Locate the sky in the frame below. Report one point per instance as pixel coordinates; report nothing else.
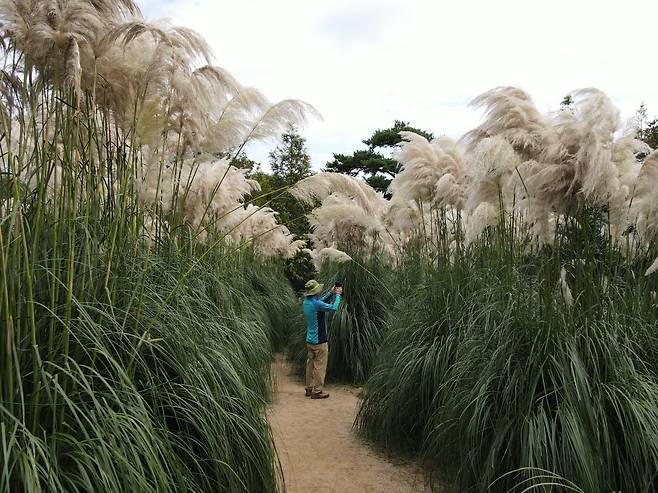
(363, 64)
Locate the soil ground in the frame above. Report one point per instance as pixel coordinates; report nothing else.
(319, 451)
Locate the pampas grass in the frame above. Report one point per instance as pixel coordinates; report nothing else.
(323, 185)
(141, 295)
(327, 255)
(490, 365)
(644, 201)
(430, 171)
(510, 113)
(351, 213)
(522, 260)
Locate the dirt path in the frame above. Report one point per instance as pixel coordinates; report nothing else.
(317, 448)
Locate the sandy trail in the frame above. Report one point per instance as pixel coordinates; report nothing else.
(317, 448)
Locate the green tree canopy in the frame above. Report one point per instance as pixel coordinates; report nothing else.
(650, 134)
(244, 162)
(647, 130)
(290, 162)
(375, 163)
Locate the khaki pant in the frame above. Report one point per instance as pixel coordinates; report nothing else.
(316, 365)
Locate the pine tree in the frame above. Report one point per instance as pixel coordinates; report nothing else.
(375, 163)
(290, 160)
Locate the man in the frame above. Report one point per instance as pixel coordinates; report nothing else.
(317, 347)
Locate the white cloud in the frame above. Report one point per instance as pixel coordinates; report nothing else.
(364, 64)
(352, 25)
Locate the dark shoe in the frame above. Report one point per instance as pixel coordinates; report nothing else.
(309, 392)
(319, 395)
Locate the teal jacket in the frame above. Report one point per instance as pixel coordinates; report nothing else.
(315, 313)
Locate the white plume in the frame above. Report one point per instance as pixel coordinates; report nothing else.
(567, 297)
(327, 255)
(431, 172)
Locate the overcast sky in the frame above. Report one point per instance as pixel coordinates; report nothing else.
(365, 63)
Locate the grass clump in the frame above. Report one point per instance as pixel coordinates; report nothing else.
(491, 377)
(139, 313)
(152, 394)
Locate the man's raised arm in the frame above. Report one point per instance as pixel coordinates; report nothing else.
(321, 306)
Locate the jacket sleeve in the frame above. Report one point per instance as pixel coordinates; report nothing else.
(321, 306)
(326, 296)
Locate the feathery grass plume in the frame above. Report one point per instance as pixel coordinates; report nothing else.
(327, 255)
(203, 109)
(181, 42)
(277, 118)
(511, 114)
(71, 35)
(173, 100)
(567, 297)
(258, 226)
(217, 77)
(43, 29)
(490, 169)
(651, 270)
(322, 185)
(540, 221)
(644, 202)
(625, 151)
(249, 116)
(208, 194)
(351, 215)
(570, 161)
(586, 142)
(193, 182)
(342, 221)
(73, 70)
(531, 208)
(587, 164)
(231, 124)
(550, 183)
(218, 86)
(431, 172)
(492, 158)
(206, 107)
(405, 218)
(485, 214)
